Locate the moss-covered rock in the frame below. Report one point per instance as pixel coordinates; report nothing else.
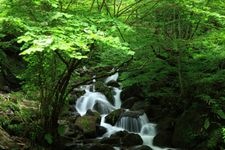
(88, 125)
(114, 116)
(113, 83)
(132, 91)
(102, 88)
(128, 103)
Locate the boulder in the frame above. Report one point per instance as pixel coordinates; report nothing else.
(132, 114)
(132, 91)
(114, 116)
(6, 141)
(88, 125)
(163, 139)
(128, 103)
(100, 130)
(123, 138)
(114, 141)
(102, 88)
(102, 107)
(113, 83)
(132, 139)
(93, 113)
(139, 105)
(154, 112)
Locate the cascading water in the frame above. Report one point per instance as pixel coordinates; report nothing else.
(97, 101)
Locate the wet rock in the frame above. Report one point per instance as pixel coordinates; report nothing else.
(114, 116)
(132, 114)
(119, 134)
(123, 138)
(139, 105)
(128, 103)
(102, 88)
(163, 139)
(101, 108)
(141, 147)
(100, 130)
(6, 141)
(88, 125)
(132, 91)
(114, 141)
(154, 112)
(113, 83)
(132, 139)
(93, 113)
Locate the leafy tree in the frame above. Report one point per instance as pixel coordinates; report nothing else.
(58, 40)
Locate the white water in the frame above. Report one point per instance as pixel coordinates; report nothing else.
(97, 101)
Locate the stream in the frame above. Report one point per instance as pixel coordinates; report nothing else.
(139, 125)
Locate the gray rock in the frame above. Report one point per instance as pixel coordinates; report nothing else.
(113, 117)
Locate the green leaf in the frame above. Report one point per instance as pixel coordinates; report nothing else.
(48, 137)
(221, 114)
(206, 124)
(32, 49)
(61, 130)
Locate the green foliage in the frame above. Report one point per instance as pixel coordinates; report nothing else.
(61, 130)
(17, 114)
(223, 133)
(49, 138)
(177, 51)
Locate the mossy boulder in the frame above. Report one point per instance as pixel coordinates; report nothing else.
(132, 91)
(114, 116)
(88, 125)
(113, 83)
(132, 114)
(102, 88)
(128, 103)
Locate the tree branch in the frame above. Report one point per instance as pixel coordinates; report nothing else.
(62, 59)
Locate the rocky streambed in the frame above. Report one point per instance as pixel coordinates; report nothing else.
(100, 120)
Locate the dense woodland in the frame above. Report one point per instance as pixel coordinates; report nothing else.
(169, 53)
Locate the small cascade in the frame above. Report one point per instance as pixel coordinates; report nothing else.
(132, 124)
(112, 77)
(117, 101)
(93, 100)
(131, 121)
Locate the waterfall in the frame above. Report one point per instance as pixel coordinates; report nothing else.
(139, 124)
(91, 99)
